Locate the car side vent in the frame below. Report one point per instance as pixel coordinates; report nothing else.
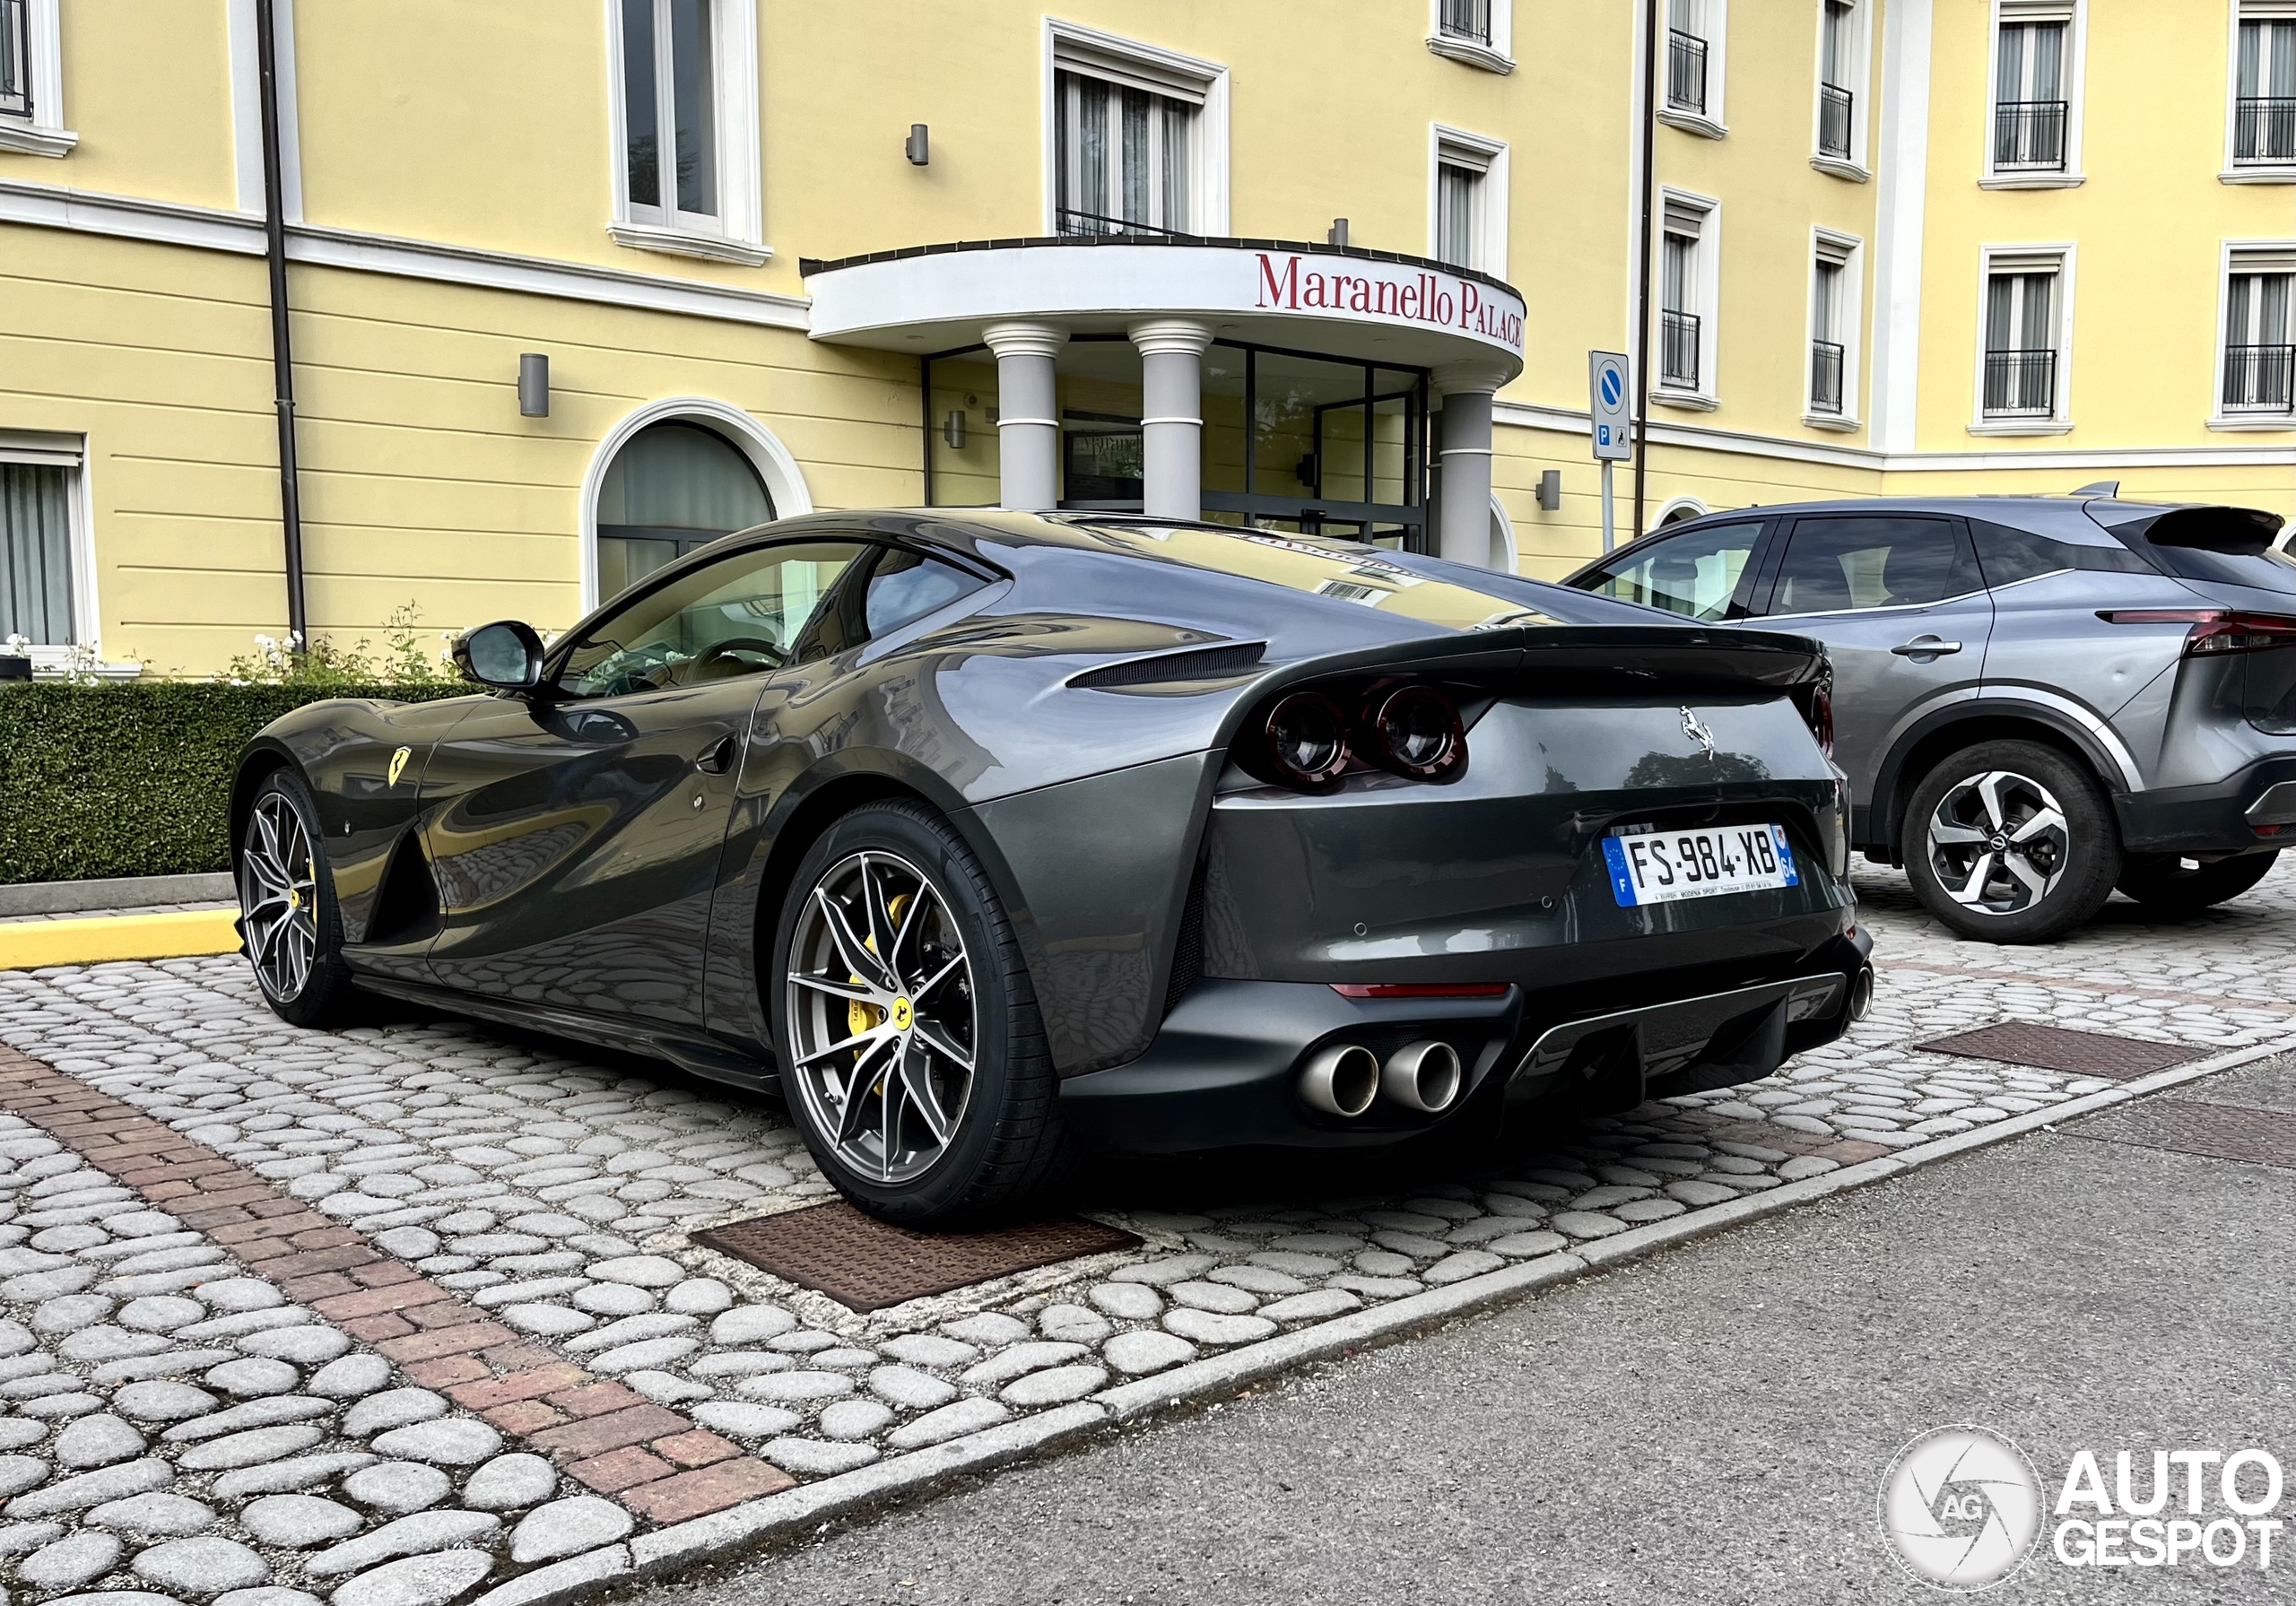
(1188, 948)
(1204, 663)
(407, 906)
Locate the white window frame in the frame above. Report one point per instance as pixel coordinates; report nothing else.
(1498, 56)
(2074, 15)
(1706, 270)
(1715, 29)
(2251, 173)
(2244, 256)
(1072, 47)
(1857, 167)
(1459, 148)
(43, 134)
(69, 453)
(2056, 257)
(1848, 252)
(739, 234)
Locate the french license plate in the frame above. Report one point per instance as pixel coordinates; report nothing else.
(1667, 866)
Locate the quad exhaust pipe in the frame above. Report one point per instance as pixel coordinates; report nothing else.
(1344, 1079)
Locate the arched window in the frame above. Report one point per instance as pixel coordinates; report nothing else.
(674, 487)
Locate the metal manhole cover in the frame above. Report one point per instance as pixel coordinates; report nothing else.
(2234, 1132)
(866, 1264)
(2054, 1048)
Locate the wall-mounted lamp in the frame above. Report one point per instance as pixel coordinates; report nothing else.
(919, 148)
(533, 385)
(953, 430)
(1550, 490)
(1337, 234)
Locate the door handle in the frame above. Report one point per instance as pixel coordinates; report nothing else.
(717, 759)
(1925, 646)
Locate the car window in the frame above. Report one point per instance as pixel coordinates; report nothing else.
(2008, 556)
(905, 585)
(739, 615)
(1874, 560)
(1694, 574)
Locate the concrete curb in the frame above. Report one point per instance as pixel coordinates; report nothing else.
(36, 944)
(670, 1549)
(118, 892)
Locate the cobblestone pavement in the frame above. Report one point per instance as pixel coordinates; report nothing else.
(409, 1314)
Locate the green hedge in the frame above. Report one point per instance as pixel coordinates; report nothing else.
(135, 779)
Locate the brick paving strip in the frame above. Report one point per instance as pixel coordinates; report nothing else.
(609, 1437)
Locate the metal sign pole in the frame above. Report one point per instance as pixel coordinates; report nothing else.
(1607, 422)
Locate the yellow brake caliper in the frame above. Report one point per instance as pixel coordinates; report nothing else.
(861, 1017)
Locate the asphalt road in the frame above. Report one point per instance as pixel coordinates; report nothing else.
(1710, 1426)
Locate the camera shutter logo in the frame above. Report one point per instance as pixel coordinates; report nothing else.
(1960, 1507)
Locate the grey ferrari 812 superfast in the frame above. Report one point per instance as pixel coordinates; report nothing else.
(989, 840)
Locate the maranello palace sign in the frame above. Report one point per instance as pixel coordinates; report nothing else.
(1399, 292)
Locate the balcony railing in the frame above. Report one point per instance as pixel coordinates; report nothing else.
(2028, 136)
(2260, 378)
(1685, 71)
(1678, 349)
(1834, 107)
(1825, 376)
(15, 60)
(2263, 128)
(1073, 222)
(1468, 20)
(2019, 383)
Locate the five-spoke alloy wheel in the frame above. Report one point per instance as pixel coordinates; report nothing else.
(2011, 841)
(288, 922)
(911, 1052)
(881, 1018)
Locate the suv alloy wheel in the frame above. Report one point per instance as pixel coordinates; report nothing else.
(2011, 842)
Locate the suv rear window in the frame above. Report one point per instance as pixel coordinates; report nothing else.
(2232, 546)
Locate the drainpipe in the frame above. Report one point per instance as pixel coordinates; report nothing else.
(282, 361)
(1642, 280)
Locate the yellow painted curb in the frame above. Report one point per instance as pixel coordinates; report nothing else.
(29, 944)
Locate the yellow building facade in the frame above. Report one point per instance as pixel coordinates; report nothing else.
(1894, 247)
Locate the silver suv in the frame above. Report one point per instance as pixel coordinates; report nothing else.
(2036, 698)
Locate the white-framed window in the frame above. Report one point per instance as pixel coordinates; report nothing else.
(1844, 70)
(1837, 296)
(1478, 32)
(1689, 250)
(32, 79)
(685, 127)
(2024, 341)
(1136, 138)
(2034, 120)
(2260, 113)
(46, 554)
(1690, 63)
(1467, 201)
(2256, 365)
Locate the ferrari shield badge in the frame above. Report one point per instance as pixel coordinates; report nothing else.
(398, 765)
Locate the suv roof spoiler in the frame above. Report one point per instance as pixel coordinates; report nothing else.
(2242, 532)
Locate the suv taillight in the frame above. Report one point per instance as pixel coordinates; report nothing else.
(2213, 629)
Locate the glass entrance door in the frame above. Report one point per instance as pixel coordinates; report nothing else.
(1314, 446)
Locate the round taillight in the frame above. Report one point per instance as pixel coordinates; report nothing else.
(1415, 731)
(1306, 739)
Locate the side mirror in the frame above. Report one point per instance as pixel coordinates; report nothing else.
(506, 655)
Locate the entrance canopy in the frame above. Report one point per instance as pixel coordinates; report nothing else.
(1346, 302)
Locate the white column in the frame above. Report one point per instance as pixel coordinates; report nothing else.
(1464, 535)
(1171, 404)
(1028, 414)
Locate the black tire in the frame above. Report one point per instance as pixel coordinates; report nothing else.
(2169, 884)
(1986, 812)
(1005, 1150)
(291, 929)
